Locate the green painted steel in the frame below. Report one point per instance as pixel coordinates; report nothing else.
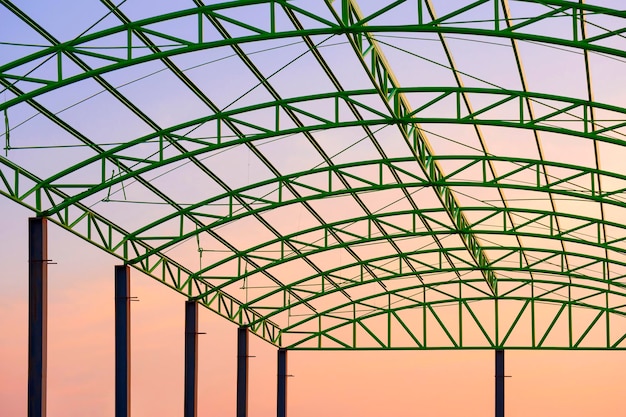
(273, 128)
(426, 240)
(351, 23)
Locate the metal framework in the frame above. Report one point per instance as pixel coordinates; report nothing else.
(411, 174)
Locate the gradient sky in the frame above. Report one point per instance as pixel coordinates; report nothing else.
(368, 384)
(365, 384)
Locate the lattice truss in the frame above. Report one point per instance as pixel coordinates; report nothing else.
(414, 174)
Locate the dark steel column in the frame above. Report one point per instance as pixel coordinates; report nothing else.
(191, 358)
(122, 341)
(499, 383)
(37, 315)
(281, 404)
(242, 372)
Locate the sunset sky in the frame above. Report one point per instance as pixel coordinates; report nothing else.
(368, 383)
(413, 383)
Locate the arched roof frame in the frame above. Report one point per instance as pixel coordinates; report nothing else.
(351, 24)
(346, 319)
(360, 30)
(546, 123)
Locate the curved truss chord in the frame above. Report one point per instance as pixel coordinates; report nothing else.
(261, 203)
(574, 109)
(85, 223)
(374, 214)
(125, 55)
(436, 316)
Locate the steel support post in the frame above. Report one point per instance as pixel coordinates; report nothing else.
(122, 341)
(499, 383)
(242, 372)
(191, 358)
(37, 315)
(281, 403)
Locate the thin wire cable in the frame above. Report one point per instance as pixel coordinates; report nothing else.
(53, 56)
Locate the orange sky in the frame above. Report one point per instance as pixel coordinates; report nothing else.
(368, 384)
(364, 384)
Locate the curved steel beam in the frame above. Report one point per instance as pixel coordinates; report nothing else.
(272, 128)
(268, 202)
(428, 318)
(547, 261)
(177, 46)
(532, 223)
(69, 211)
(99, 231)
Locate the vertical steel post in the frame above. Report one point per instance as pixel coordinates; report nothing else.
(281, 403)
(499, 383)
(191, 358)
(37, 315)
(122, 341)
(242, 372)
